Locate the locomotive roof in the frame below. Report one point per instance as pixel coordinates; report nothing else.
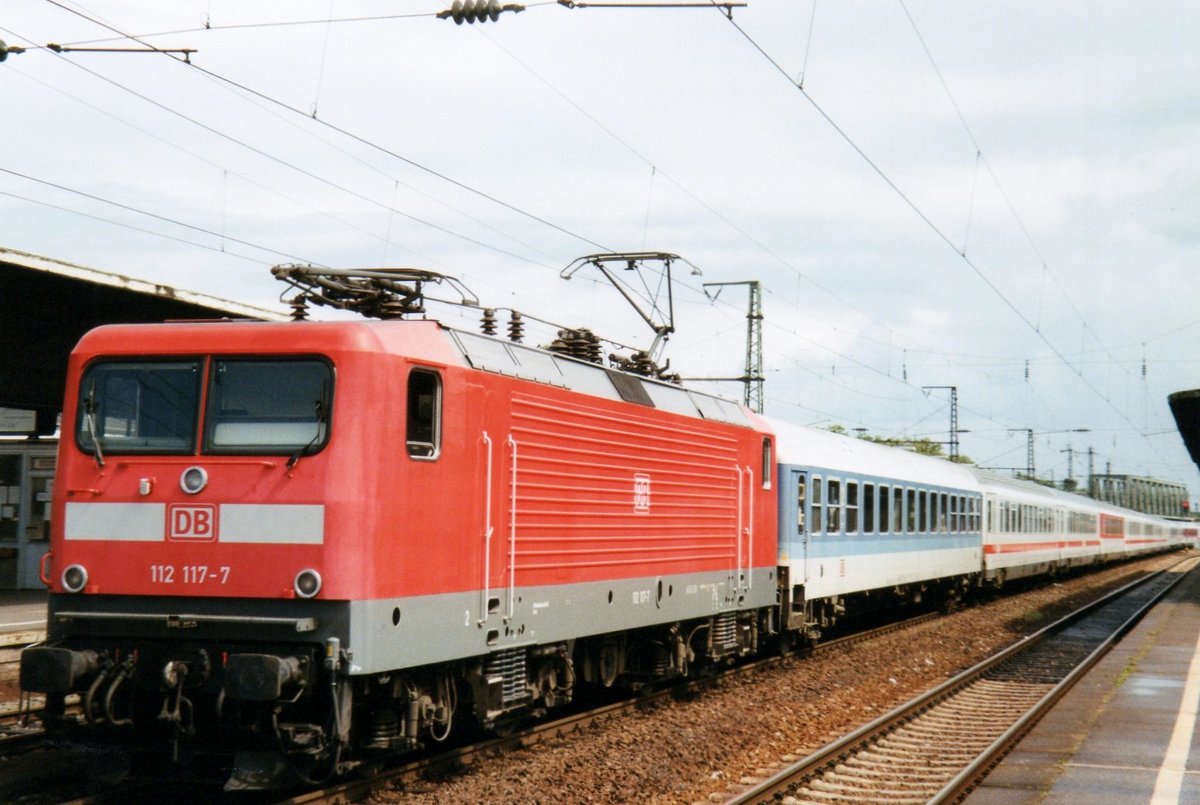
(492, 354)
(422, 341)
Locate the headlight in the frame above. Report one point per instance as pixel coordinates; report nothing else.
(193, 480)
(74, 578)
(308, 583)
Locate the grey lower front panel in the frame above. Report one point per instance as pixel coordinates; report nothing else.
(407, 632)
(226, 620)
(386, 634)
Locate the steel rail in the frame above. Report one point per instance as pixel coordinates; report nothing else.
(970, 777)
(806, 768)
(355, 790)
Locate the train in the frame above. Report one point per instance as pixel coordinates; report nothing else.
(310, 545)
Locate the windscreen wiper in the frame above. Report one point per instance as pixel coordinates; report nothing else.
(319, 406)
(89, 412)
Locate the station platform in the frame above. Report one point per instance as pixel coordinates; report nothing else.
(22, 616)
(1126, 733)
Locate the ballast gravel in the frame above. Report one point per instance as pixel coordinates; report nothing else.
(693, 750)
(690, 751)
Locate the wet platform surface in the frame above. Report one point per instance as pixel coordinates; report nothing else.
(22, 616)
(1124, 734)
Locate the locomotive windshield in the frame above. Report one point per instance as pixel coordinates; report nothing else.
(273, 406)
(139, 407)
(267, 405)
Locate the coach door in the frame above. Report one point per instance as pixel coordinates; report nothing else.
(801, 523)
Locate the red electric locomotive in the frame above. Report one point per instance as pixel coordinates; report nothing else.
(330, 539)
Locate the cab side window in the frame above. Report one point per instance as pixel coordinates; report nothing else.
(424, 420)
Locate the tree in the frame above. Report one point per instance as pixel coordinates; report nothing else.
(924, 446)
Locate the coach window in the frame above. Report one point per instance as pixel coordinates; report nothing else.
(884, 518)
(424, 429)
(833, 515)
(897, 510)
(868, 508)
(923, 525)
(943, 524)
(851, 507)
(911, 522)
(817, 507)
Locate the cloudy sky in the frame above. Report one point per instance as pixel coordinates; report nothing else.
(998, 197)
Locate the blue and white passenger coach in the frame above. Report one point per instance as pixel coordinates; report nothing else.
(859, 520)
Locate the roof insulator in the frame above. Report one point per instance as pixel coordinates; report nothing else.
(477, 10)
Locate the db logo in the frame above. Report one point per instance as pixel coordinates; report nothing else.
(192, 522)
(641, 493)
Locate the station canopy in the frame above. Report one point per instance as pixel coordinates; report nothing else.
(1185, 405)
(46, 306)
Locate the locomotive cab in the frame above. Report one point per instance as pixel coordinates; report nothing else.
(189, 567)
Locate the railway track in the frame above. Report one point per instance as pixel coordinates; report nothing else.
(33, 766)
(413, 773)
(936, 748)
(19, 726)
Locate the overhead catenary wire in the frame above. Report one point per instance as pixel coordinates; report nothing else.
(125, 225)
(302, 171)
(149, 214)
(911, 351)
(933, 226)
(354, 137)
(660, 173)
(226, 172)
(996, 182)
(375, 146)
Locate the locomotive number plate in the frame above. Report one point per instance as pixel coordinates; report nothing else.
(189, 574)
